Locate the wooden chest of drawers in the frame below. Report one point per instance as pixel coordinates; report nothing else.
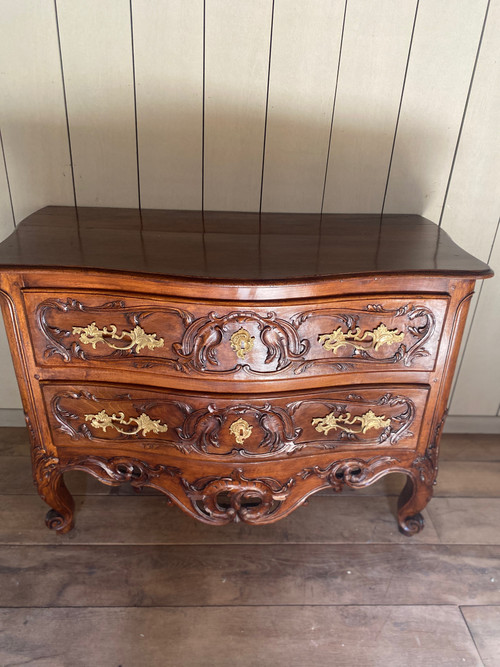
(237, 363)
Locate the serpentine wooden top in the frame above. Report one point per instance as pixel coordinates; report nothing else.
(235, 247)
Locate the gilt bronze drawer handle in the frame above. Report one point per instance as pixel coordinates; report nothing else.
(92, 335)
(366, 422)
(242, 342)
(142, 423)
(241, 430)
(376, 338)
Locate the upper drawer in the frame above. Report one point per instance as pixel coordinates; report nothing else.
(163, 336)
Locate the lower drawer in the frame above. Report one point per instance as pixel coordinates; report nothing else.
(111, 420)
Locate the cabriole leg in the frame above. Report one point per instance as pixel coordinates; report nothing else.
(414, 497)
(57, 496)
(52, 489)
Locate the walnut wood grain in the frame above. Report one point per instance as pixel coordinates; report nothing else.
(238, 364)
(235, 246)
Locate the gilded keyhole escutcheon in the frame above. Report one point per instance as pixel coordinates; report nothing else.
(241, 342)
(241, 430)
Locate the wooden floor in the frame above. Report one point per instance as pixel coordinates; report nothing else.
(138, 584)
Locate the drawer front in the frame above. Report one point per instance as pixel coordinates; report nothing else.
(165, 337)
(107, 419)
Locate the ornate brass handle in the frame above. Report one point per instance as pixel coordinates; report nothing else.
(366, 422)
(142, 423)
(375, 338)
(91, 335)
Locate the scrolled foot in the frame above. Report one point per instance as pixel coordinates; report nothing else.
(56, 521)
(414, 497)
(411, 525)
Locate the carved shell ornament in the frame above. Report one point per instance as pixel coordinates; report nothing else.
(92, 335)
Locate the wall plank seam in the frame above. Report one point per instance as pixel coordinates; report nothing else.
(132, 49)
(203, 111)
(63, 83)
(466, 105)
(266, 110)
(333, 108)
(8, 182)
(459, 368)
(400, 106)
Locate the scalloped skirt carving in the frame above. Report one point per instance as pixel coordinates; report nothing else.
(233, 496)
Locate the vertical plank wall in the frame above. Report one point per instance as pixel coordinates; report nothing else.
(272, 105)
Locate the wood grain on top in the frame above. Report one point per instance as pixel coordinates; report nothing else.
(235, 246)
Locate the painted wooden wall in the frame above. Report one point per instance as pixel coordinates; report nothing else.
(272, 105)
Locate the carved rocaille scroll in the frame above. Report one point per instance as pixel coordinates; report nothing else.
(258, 344)
(260, 430)
(279, 338)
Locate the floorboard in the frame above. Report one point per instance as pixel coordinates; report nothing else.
(484, 625)
(218, 575)
(226, 636)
